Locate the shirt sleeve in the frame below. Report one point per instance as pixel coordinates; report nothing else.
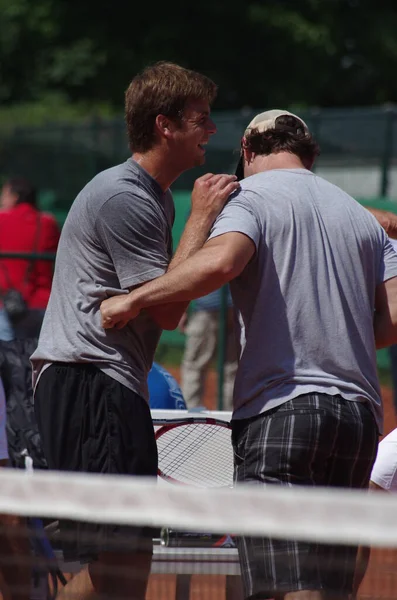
(135, 233)
(238, 216)
(388, 262)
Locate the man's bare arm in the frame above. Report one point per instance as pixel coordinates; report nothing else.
(209, 195)
(386, 219)
(385, 321)
(218, 262)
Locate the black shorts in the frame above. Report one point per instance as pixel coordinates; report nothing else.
(91, 423)
(314, 440)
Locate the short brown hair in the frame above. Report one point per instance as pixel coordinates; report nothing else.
(163, 88)
(287, 136)
(23, 189)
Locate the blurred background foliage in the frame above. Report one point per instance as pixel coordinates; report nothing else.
(63, 59)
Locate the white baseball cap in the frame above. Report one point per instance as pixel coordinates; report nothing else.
(269, 120)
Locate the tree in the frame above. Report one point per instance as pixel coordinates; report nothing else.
(261, 53)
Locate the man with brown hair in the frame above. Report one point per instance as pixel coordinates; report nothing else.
(314, 280)
(91, 397)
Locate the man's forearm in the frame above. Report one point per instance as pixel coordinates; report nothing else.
(386, 219)
(193, 239)
(209, 195)
(385, 316)
(220, 260)
(385, 331)
(194, 277)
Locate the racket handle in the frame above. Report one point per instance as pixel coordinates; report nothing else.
(192, 539)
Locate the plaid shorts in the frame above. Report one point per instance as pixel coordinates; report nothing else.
(314, 439)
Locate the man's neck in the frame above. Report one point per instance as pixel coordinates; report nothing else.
(158, 166)
(281, 160)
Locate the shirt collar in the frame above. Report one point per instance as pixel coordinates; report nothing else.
(147, 180)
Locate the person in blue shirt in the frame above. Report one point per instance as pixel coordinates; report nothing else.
(164, 391)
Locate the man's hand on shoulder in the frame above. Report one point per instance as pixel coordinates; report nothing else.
(210, 194)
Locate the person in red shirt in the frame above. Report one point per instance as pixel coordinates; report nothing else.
(24, 228)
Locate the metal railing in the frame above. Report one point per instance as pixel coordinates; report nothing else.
(28, 256)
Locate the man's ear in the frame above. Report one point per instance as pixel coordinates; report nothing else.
(164, 126)
(248, 155)
(248, 159)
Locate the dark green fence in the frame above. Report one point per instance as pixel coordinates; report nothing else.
(359, 152)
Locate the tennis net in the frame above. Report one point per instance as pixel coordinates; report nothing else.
(194, 547)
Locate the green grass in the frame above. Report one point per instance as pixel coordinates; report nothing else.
(385, 377)
(169, 355)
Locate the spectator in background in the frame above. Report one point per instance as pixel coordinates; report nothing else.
(24, 228)
(201, 326)
(164, 391)
(15, 567)
(3, 435)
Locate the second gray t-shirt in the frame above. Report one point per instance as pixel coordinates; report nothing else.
(117, 235)
(306, 300)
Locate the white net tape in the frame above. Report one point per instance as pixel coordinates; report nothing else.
(302, 513)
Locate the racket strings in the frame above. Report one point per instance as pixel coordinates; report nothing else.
(184, 444)
(197, 454)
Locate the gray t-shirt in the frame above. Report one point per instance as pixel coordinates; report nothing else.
(117, 235)
(306, 300)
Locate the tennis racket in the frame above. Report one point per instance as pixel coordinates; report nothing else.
(195, 451)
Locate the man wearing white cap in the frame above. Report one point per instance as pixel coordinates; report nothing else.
(314, 283)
